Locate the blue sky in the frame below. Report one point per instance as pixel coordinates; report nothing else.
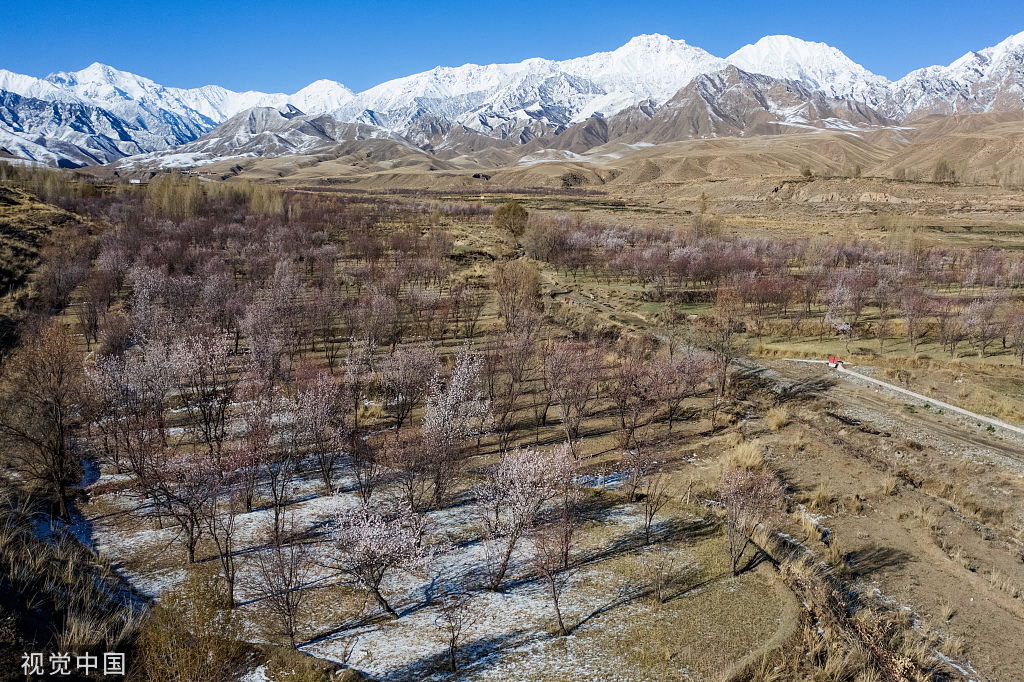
(284, 46)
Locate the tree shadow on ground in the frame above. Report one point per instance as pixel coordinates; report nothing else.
(474, 657)
(664, 531)
(807, 388)
(866, 561)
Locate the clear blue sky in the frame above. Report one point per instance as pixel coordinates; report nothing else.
(284, 46)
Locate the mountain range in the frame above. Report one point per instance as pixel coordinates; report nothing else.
(652, 89)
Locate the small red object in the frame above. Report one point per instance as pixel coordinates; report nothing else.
(833, 361)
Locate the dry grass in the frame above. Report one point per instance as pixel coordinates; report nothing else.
(809, 527)
(858, 640)
(747, 455)
(777, 418)
(822, 498)
(1002, 582)
(836, 558)
(960, 558)
(952, 646)
(890, 485)
(925, 518)
(62, 576)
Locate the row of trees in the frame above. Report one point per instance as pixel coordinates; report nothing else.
(241, 348)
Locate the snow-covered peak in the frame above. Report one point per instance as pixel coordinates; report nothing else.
(27, 86)
(321, 96)
(656, 64)
(991, 79)
(981, 64)
(816, 65)
(101, 82)
(974, 66)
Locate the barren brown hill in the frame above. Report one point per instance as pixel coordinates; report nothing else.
(981, 148)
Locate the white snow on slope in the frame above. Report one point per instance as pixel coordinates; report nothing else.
(816, 65)
(108, 114)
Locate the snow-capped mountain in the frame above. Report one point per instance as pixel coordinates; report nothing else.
(816, 65)
(259, 131)
(732, 102)
(66, 133)
(100, 114)
(990, 80)
(554, 93)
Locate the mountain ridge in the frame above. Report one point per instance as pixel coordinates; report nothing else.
(100, 114)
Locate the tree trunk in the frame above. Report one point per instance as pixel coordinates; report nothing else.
(500, 575)
(383, 603)
(558, 611)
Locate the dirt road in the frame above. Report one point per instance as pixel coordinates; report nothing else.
(892, 408)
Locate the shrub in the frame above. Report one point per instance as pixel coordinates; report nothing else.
(192, 635)
(942, 171)
(512, 217)
(573, 179)
(777, 418)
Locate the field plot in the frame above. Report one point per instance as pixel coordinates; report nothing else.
(390, 435)
(619, 626)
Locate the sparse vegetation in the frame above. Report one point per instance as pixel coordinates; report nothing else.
(261, 353)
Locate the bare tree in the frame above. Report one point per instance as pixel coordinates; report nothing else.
(314, 411)
(223, 505)
(1015, 325)
(89, 321)
(467, 307)
(657, 492)
(914, 305)
(368, 470)
(751, 498)
(180, 485)
(206, 383)
(547, 544)
(635, 391)
(679, 377)
(518, 286)
(885, 295)
(635, 464)
(279, 469)
(280, 573)
(42, 396)
(404, 455)
(516, 354)
(115, 407)
(257, 403)
(951, 327)
(721, 335)
(457, 614)
(574, 372)
(660, 572)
